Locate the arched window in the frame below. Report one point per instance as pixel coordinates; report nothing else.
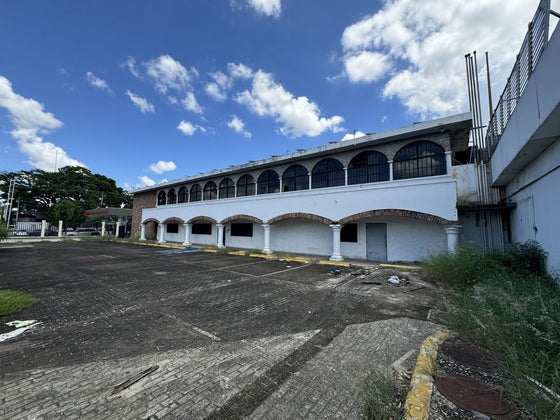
(161, 198)
(182, 196)
(295, 178)
(268, 182)
(196, 193)
(227, 188)
(368, 166)
(246, 186)
(210, 191)
(327, 173)
(171, 196)
(421, 158)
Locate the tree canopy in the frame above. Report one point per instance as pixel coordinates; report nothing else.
(45, 194)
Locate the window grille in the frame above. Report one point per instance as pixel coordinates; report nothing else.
(295, 178)
(327, 173)
(419, 159)
(227, 189)
(210, 191)
(196, 193)
(268, 182)
(246, 186)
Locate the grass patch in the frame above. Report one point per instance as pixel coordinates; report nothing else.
(12, 301)
(383, 400)
(505, 302)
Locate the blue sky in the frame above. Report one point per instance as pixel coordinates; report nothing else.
(145, 91)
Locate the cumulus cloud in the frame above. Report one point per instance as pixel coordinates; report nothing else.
(97, 82)
(130, 65)
(163, 166)
(169, 74)
(240, 71)
(218, 88)
(191, 104)
(141, 103)
(31, 122)
(267, 7)
(297, 116)
(239, 127)
(418, 48)
(188, 128)
(353, 135)
(144, 182)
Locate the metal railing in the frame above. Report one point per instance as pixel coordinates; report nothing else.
(533, 45)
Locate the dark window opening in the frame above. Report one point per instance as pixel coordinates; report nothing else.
(242, 229)
(227, 189)
(196, 193)
(295, 178)
(349, 233)
(418, 159)
(182, 197)
(210, 191)
(161, 198)
(171, 197)
(202, 229)
(246, 186)
(367, 167)
(172, 227)
(327, 173)
(268, 182)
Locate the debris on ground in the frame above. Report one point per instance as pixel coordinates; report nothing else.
(19, 324)
(16, 332)
(394, 280)
(335, 270)
(134, 379)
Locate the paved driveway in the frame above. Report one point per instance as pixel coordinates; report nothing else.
(233, 336)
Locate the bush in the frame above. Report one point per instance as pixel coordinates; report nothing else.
(12, 301)
(3, 230)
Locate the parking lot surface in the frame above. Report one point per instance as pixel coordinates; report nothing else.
(232, 336)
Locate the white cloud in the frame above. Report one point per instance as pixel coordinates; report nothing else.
(163, 166)
(219, 87)
(169, 74)
(97, 82)
(130, 64)
(353, 135)
(240, 71)
(418, 49)
(31, 122)
(190, 103)
(366, 66)
(141, 103)
(189, 129)
(239, 127)
(297, 116)
(267, 7)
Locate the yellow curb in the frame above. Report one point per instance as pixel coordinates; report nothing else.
(400, 267)
(267, 256)
(417, 404)
(295, 259)
(210, 250)
(239, 253)
(335, 263)
(154, 245)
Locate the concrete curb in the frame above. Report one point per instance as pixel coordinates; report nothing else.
(417, 404)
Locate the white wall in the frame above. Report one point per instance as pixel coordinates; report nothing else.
(301, 237)
(467, 183)
(536, 193)
(255, 242)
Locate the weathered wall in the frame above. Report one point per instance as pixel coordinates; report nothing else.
(140, 202)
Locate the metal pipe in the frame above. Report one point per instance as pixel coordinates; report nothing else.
(490, 107)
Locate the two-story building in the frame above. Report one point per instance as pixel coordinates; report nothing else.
(384, 196)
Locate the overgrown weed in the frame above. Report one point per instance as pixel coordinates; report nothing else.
(506, 302)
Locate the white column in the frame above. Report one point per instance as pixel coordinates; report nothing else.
(266, 247)
(43, 227)
(117, 226)
(345, 176)
(310, 183)
(60, 228)
(161, 229)
(220, 235)
(188, 230)
(448, 162)
(336, 255)
(143, 231)
(103, 228)
(452, 232)
(390, 170)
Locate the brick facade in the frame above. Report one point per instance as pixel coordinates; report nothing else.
(142, 201)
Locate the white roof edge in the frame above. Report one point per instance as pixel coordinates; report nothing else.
(418, 128)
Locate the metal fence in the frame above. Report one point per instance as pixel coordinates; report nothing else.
(533, 45)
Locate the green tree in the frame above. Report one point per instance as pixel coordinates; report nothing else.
(3, 230)
(68, 210)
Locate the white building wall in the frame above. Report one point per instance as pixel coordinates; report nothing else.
(536, 193)
(256, 242)
(301, 236)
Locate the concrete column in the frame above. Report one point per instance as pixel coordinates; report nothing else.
(281, 184)
(345, 175)
(390, 162)
(43, 227)
(448, 162)
(266, 247)
(60, 228)
(142, 231)
(452, 232)
(336, 255)
(103, 228)
(188, 230)
(310, 182)
(161, 235)
(220, 235)
(117, 226)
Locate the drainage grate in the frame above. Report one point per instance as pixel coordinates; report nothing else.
(468, 355)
